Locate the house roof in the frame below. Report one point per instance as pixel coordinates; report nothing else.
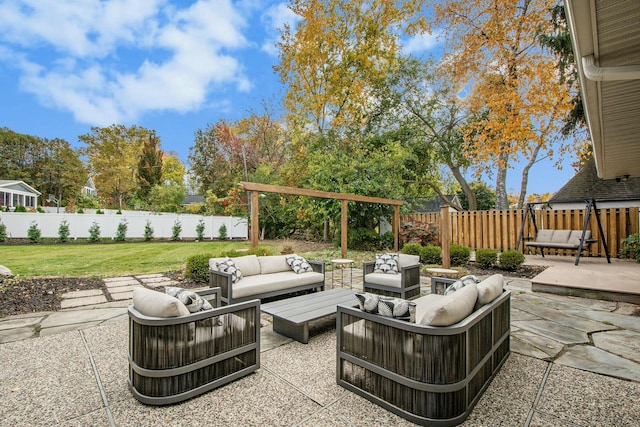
(18, 186)
(606, 43)
(424, 205)
(587, 185)
(193, 198)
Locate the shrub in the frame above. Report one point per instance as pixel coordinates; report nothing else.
(3, 232)
(486, 258)
(386, 240)
(94, 232)
(80, 211)
(431, 254)
(419, 232)
(40, 210)
(631, 248)
(412, 249)
(200, 230)
(20, 209)
(63, 231)
(118, 212)
(222, 232)
(148, 231)
(121, 232)
(510, 260)
(99, 212)
(260, 251)
(34, 234)
(175, 231)
(459, 255)
(197, 268)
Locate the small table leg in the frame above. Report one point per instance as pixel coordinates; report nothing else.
(297, 331)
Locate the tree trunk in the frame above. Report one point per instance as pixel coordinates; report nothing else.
(502, 202)
(525, 175)
(471, 196)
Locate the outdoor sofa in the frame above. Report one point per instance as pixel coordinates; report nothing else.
(175, 355)
(405, 283)
(430, 375)
(250, 276)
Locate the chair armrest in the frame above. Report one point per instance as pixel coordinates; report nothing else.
(318, 266)
(218, 279)
(410, 274)
(212, 295)
(367, 267)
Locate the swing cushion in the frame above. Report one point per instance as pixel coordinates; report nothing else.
(560, 239)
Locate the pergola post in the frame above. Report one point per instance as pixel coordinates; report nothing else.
(344, 229)
(396, 227)
(445, 236)
(254, 219)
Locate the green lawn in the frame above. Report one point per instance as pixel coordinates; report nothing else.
(105, 260)
(122, 259)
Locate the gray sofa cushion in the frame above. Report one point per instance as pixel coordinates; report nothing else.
(262, 283)
(248, 265)
(384, 279)
(405, 260)
(157, 304)
(273, 264)
(490, 289)
(440, 310)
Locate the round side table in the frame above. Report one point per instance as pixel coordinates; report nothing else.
(342, 264)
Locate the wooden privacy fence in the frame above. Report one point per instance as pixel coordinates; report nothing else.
(499, 229)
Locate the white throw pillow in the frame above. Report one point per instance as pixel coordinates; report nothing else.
(229, 266)
(450, 309)
(298, 264)
(190, 299)
(386, 263)
(157, 304)
(490, 289)
(273, 264)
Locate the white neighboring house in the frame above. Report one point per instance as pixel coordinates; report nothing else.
(90, 189)
(18, 193)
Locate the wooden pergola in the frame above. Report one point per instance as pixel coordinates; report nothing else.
(255, 188)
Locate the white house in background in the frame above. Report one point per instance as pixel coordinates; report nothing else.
(18, 193)
(90, 188)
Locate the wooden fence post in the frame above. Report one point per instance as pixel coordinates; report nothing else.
(445, 236)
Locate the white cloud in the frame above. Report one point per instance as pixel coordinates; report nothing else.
(274, 19)
(420, 43)
(112, 61)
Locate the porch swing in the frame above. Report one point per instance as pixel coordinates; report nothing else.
(563, 239)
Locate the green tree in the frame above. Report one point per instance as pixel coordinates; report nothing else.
(485, 196)
(166, 198)
(150, 165)
(173, 170)
(113, 154)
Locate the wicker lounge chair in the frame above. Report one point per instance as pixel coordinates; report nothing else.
(429, 375)
(174, 359)
(405, 284)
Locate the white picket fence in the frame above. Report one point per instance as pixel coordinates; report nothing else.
(18, 223)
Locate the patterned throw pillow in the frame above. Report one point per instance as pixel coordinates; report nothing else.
(190, 299)
(461, 283)
(397, 308)
(228, 266)
(298, 264)
(368, 302)
(386, 263)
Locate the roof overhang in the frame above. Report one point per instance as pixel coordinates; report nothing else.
(606, 44)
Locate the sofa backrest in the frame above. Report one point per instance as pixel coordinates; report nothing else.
(405, 260)
(576, 235)
(273, 264)
(560, 236)
(544, 236)
(247, 264)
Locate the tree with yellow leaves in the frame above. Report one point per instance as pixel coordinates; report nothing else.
(339, 49)
(513, 85)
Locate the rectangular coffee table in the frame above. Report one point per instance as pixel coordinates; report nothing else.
(291, 316)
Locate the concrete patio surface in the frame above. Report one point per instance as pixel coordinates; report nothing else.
(574, 362)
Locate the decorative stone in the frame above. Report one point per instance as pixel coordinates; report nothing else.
(5, 273)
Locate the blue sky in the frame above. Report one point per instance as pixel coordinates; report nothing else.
(167, 65)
